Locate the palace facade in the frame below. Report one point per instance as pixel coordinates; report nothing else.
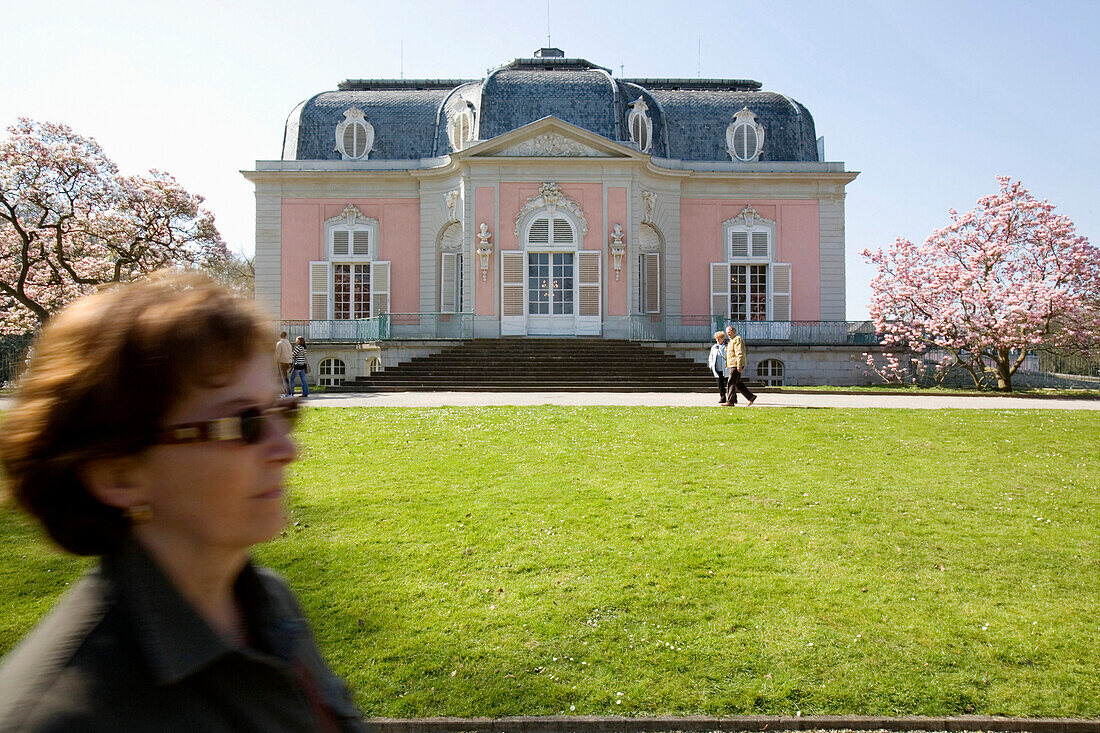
(552, 198)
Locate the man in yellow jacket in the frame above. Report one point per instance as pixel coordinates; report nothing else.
(735, 361)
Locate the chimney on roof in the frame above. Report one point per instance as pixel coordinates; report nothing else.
(549, 53)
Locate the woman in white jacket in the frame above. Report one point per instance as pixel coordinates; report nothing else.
(717, 363)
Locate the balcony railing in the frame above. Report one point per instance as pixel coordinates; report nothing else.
(669, 328)
(684, 328)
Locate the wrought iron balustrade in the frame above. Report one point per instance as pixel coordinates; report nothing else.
(668, 328)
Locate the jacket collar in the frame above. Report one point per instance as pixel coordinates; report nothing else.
(174, 639)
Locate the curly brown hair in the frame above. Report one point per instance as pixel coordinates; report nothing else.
(105, 374)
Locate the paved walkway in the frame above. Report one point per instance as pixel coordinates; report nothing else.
(688, 399)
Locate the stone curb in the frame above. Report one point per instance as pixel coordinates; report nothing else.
(614, 724)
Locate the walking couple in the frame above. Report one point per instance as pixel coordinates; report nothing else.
(291, 363)
(727, 362)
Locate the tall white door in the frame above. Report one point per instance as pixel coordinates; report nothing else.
(551, 294)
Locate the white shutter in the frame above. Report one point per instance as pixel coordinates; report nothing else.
(340, 242)
(448, 286)
(539, 232)
(720, 289)
(759, 244)
(512, 306)
(588, 293)
(651, 283)
(563, 232)
(360, 243)
(318, 291)
(379, 288)
(781, 292)
(739, 244)
(349, 141)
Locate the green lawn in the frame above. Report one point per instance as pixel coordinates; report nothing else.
(637, 561)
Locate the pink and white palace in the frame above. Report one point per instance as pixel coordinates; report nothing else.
(551, 198)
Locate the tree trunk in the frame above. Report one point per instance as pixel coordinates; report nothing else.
(1004, 370)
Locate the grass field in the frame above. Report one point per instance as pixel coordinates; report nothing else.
(636, 561)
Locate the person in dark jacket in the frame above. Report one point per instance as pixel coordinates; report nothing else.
(163, 450)
(299, 368)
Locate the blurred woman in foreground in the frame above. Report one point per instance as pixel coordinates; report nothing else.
(147, 432)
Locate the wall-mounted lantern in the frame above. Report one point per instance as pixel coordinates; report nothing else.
(618, 249)
(484, 249)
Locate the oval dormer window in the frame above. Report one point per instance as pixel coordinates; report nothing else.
(462, 127)
(354, 136)
(745, 137)
(641, 127)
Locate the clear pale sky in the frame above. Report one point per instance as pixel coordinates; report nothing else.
(929, 101)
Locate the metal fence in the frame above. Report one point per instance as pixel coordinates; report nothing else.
(1086, 365)
(13, 354)
(351, 331)
(669, 328)
(798, 333)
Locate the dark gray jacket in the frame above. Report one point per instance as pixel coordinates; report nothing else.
(124, 651)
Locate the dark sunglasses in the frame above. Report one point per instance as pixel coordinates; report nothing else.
(247, 426)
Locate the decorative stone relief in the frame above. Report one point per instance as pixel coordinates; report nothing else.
(748, 216)
(352, 216)
(648, 239)
(550, 198)
(451, 238)
(649, 203)
(451, 198)
(484, 249)
(550, 144)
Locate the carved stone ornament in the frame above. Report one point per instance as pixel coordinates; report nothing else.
(617, 237)
(649, 203)
(483, 236)
(618, 249)
(451, 198)
(749, 217)
(352, 216)
(648, 239)
(451, 239)
(550, 198)
(484, 249)
(550, 144)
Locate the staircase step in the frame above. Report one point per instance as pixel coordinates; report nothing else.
(540, 365)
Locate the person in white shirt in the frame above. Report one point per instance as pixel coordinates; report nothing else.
(717, 363)
(283, 360)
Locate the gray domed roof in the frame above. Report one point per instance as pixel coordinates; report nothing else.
(404, 121)
(696, 121)
(689, 116)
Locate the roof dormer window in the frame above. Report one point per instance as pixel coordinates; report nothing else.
(461, 129)
(641, 127)
(745, 137)
(354, 136)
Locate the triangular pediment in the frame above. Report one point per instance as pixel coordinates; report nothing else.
(549, 138)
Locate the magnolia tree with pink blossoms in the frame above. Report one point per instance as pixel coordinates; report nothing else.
(1000, 282)
(70, 223)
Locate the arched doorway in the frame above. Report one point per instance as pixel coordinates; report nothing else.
(551, 287)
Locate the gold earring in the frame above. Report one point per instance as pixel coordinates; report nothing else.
(139, 513)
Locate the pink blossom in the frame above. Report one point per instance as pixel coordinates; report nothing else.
(70, 222)
(998, 282)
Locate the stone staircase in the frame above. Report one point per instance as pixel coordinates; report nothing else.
(540, 365)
